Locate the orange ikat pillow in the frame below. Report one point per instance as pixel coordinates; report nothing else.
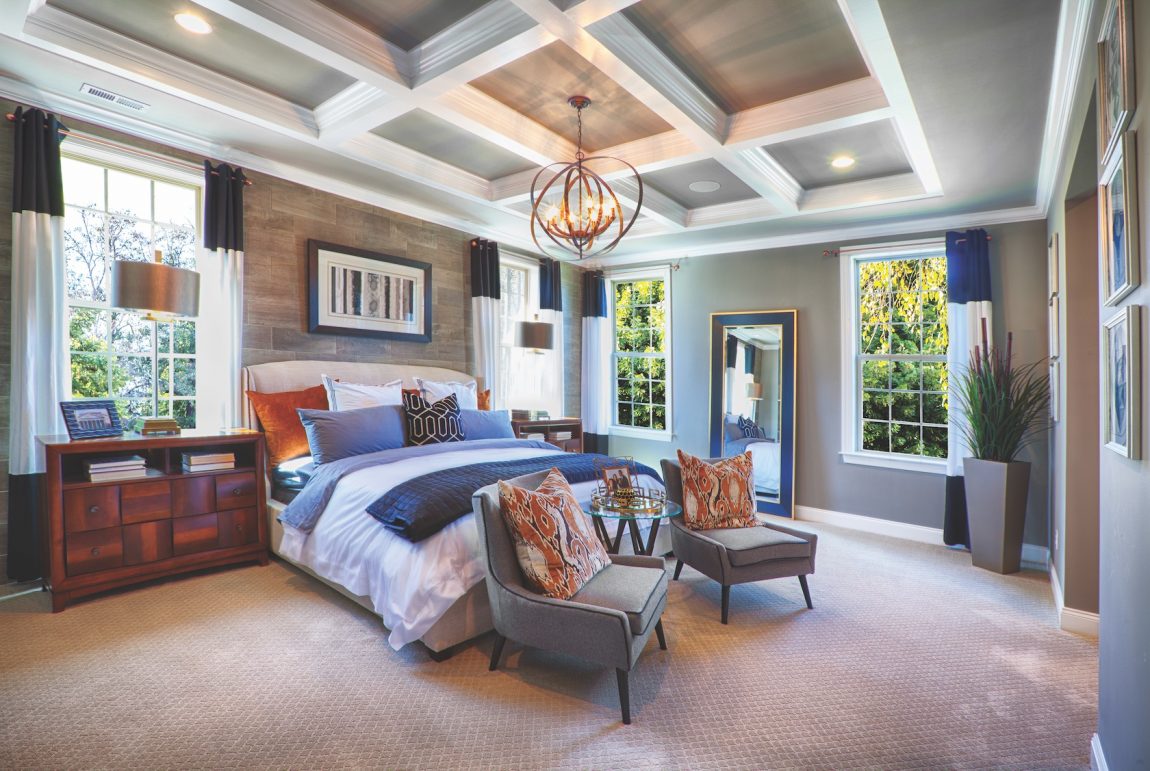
(718, 495)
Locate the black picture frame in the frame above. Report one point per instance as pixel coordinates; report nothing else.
(91, 419)
(343, 298)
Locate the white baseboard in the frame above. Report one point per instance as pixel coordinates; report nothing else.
(1032, 555)
(1071, 619)
(1097, 757)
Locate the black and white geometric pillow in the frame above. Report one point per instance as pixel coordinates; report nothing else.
(432, 423)
(749, 428)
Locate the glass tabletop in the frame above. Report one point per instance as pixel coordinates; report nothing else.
(669, 509)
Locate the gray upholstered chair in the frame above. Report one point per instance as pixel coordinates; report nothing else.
(738, 555)
(608, 621)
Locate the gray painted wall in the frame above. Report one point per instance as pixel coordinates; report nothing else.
(801, 278)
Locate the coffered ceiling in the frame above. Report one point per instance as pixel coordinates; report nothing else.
(445, 109)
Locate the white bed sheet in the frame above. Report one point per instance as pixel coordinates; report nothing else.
(767, 467)
(411, 585)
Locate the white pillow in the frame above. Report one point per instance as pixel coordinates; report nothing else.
(355, 396)
(434, 390)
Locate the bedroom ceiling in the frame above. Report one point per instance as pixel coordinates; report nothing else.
(445, 109)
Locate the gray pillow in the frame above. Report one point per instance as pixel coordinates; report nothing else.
(486, 424)
(731, 428)
(334, 435)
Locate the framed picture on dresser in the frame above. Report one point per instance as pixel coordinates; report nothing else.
(1118, 222)
(1122, 382)
(360, 292)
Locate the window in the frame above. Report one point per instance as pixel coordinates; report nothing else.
(641, 313)
(518, 289)
(896, 350)
(117, 212)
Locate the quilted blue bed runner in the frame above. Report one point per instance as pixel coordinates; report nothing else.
(424, 505)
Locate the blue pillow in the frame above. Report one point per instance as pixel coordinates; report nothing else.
(486, 424)
(333, 435)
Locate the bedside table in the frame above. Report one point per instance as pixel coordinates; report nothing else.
(107, 534)
(565, 433)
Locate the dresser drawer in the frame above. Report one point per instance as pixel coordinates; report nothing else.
(238, 527)
(91, 508)
(94, 550)
(195, 534)
(235, 491)
(147, 542)
(145, 501)
(194, 495)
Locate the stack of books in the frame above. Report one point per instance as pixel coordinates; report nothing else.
(111, 468)
(207, 461)
(561, 436)
(151, 426)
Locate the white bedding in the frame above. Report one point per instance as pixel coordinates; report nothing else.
(411, 585)
(765, 460)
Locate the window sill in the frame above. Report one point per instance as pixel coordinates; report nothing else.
(901, 463)
(642, 433)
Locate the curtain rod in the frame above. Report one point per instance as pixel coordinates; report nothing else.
(129, 149)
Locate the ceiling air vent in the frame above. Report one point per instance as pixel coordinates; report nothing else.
(112, 97)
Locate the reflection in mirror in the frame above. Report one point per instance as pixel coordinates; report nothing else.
(752, 401)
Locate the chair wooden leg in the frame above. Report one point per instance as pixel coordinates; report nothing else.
(659, 633)
(496, 652)
(624, 695)
(806, 592)
(726, 601)
(678, 569)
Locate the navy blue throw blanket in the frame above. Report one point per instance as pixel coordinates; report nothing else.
(423, 506)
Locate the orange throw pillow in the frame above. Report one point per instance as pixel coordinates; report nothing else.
(282, 427)
(718, 495)
(554, 540)
(484, 399)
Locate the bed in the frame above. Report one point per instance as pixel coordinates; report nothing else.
(431, 591)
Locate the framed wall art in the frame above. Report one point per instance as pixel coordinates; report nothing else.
(1122, 382)
(1118, 222)
(1116, 95)
(359, 292)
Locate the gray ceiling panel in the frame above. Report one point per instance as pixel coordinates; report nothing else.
(425, 133)
(874, 146)
(674, 182)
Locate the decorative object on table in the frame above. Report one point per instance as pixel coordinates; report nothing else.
(91, 419)
(193, 462)
(113, 468)
(1122, 382)
(1116, 94)
(160, 293)
(1120, 247)
(575, 208)
(617, 476)
(1005, 409)
(360, 292)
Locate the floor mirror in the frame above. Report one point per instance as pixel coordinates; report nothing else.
(753, 399)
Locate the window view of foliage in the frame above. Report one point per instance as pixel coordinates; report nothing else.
(115, 215)
(640, 354)
(903, 339)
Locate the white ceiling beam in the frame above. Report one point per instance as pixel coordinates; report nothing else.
(865, 20)
(75, 38)
(390, 156)
(668, 213)
(829, 109)
(464, 41)
(471, 109)
(866, 192)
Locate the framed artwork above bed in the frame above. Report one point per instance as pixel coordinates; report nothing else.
(359, 292)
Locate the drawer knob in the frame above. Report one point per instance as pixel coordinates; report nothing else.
(239, 528)
(93, 509)
(235, 491)
(95, 551)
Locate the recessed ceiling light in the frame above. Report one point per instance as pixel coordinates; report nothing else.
(704, 186)
(842, 161)
(193, 23)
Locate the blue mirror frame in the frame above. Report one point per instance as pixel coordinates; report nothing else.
(787, 320)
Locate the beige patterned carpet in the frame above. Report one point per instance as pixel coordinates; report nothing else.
(911, 659)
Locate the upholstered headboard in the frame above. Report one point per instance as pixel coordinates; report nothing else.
(296, 375)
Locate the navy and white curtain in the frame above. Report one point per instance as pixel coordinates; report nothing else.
(221, 268)
(749, 359)
(485, 327)
(551, 312)
(596, 377)
(968, 308)
(39, 377)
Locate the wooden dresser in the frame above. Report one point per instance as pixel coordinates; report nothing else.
(104, 535)
(550, 430)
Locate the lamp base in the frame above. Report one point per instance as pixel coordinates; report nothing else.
(159, 426)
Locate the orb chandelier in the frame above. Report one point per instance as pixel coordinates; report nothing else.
(575, 208)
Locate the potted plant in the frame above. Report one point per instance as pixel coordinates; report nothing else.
(1005, 408)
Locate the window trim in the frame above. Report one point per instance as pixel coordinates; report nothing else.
(662, 273)
(851, 399)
